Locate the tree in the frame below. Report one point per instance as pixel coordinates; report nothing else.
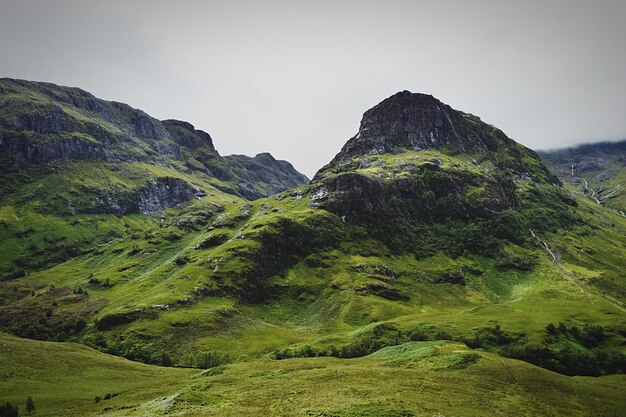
(166, 360)
(30, 405)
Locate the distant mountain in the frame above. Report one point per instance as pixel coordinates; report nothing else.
(265, 174)
(43, 123)
(598, 170)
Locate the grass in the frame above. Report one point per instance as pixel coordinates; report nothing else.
(414, 379)
(240, 282)
(65, 378)
(320, 300)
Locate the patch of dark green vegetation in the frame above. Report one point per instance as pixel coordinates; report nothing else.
(569, 351)
(38, 316)
(9, 410)
(540, 209)
(572, 351)
(148, 350)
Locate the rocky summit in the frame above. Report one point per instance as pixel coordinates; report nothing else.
(413, 122)
(433, 267)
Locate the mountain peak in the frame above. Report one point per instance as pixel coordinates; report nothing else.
(265, 156)
(419, 117)
(409, 121)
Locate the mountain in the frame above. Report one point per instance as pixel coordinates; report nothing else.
(44, 123)
(264, 175)
(65, 152)
(596, 170)
(417, 164)
(432, 246)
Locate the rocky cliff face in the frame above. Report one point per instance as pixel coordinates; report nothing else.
(43, 124)
(156, 195)
(413, 122)
(415, 160)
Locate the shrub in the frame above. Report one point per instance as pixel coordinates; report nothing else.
(9, 410)
(205, 360)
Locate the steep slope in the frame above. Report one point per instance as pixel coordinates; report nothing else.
(597, 170)
(78, 171)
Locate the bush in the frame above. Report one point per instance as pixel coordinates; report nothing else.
(571, 362)
(205, 360)
(490, 338)
(166, 360)
(418, 335)
(571, 351)
(9, 410)
(590, 336)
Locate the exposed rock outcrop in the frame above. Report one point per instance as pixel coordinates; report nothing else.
(408, 121)
(591, 164)
(156, 195)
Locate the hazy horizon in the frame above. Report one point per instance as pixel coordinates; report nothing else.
(294, 78)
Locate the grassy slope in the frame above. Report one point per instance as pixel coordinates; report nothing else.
(36, 219)
(420, 379)
(64, 378)
(323, 302)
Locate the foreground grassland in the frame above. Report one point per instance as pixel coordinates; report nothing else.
(65, 378)
(412, 379)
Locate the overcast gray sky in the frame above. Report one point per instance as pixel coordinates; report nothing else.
(294, 77)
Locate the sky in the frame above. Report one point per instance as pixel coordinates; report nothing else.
(294, 77)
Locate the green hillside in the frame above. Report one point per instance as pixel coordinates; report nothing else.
(66, 378)
(432, 246)
(78, 171)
